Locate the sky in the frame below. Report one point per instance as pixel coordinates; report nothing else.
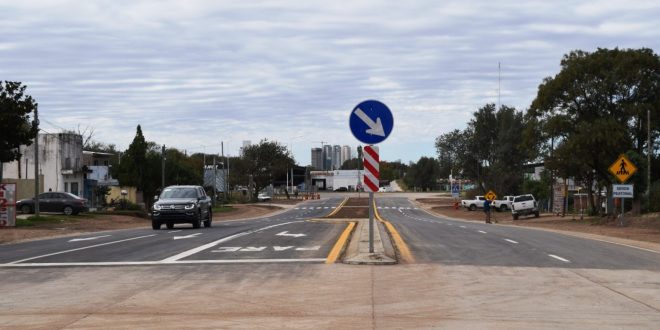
(198, 74)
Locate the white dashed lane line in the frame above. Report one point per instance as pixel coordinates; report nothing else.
(483, 232)
(559, 258)
(511, 241)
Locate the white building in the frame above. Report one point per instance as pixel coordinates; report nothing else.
(60, 163)
(333, 180)
(345, 154)
(336, 157)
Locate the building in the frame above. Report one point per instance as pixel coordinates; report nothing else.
(60, 163)
(336, 157)
(327, 157)
(241, 150)
(97, 175)
(317, 158)
(345, 154)
(333, 180)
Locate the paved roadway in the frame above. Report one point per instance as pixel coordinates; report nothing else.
(263, 273)
(285, 237)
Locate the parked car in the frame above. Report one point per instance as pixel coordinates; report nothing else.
(263, 197)
(473, 204)
(503, 204)
(524, 205)
(341, 189)
(64, 202)
(182, 204)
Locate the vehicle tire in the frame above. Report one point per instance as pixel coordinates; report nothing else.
(169, 225)
(25, 209)
(536, 214)
(209, 219)
(68, 210)
(155, 225)
(197, 222)
(515, 217)
(472, 207)
(503, 208)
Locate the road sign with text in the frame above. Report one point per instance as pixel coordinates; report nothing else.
(371, 168)
(622, 191)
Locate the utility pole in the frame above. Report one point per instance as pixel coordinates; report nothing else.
(36, 163)
(162, 168)
(648, 159)
(215, 180)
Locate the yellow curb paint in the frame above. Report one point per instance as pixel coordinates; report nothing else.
(337, 208)
(406, 255)
(336, 250)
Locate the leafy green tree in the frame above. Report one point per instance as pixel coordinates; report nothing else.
(392, 170)
(449, 147)
(424, 174)
(138, 170)
(264, 162)
(15, 126)
(593, 110)
(350, 164)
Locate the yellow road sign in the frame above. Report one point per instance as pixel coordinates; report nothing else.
(490, 195)
(623, 168)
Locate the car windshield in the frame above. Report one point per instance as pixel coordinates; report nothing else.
(178, 193)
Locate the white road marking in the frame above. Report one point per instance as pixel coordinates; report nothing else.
(187, 236)
(282, 248)
(559, 258)
(510, 241)
(222, 240)
(87, 238)
(147, 263)
(483, 232)
(253, 249)
(463, 227)
(80, 248)
(227, 249)
(311, 248)
(173, 231)
(286, 233)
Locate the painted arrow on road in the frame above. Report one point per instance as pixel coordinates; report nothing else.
(187, 236)
(375, 127)
(286, 233)
(88, 238)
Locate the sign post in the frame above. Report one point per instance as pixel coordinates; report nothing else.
(7, 205)
(371, 122)
(622, 169)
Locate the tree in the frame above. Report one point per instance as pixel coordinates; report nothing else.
(136, 169)
(15, 126)
(423, 174)
(264, 162)
(593, 110)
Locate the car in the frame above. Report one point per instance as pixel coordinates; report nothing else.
(54, 201)
(341, 189)
(524, 205)
(182, 204)
(473, 204)
(263, 197)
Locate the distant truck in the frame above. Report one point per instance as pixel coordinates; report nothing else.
(524, 205)
(503, 204)
(473, 204)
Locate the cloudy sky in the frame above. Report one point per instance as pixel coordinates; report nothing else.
(195, 73)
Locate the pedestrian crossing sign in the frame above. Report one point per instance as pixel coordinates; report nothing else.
(623, 168)
(490, 195)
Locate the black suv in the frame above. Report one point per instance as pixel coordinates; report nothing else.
(182, 204)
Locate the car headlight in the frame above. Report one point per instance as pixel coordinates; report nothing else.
(190, 206)
(157, 207)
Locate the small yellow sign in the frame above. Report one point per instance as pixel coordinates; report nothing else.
(623, 168)
(490, 195)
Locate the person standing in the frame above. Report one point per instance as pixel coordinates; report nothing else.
(487, 210)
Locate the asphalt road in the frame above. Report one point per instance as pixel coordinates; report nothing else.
(285, 237)
(440, 240)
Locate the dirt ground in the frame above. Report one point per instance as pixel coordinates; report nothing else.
(80, 224)
(641, 228)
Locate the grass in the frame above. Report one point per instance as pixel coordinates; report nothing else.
(44, 219)
(224, 208)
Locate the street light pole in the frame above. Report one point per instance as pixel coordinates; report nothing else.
(36, 163)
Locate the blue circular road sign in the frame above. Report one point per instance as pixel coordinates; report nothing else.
(371, 122)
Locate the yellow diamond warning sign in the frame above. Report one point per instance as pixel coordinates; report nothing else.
(490, 195)
(623, 168)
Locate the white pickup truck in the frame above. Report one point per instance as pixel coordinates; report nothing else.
(503, 204)
(524, 205)
(473, 204)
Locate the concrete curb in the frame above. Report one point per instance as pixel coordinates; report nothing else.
(358, 253)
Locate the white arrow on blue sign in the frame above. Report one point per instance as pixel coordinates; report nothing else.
(371, 122)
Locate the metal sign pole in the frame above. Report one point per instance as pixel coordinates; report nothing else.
(623, 202)
(371, 222)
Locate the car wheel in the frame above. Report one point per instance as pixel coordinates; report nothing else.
(155, 225)
(209, 219)
(25, 209)
(197, 222)
(503, 208)
(68, 210)
(170, 225)
(472, 207)
(515, 217)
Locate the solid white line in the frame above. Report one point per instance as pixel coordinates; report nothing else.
(151, 263)
(222, 240)
(80, 248)
(559, 258)
(173, 231)
(463, 227)
(483, 232)
(510, 241)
